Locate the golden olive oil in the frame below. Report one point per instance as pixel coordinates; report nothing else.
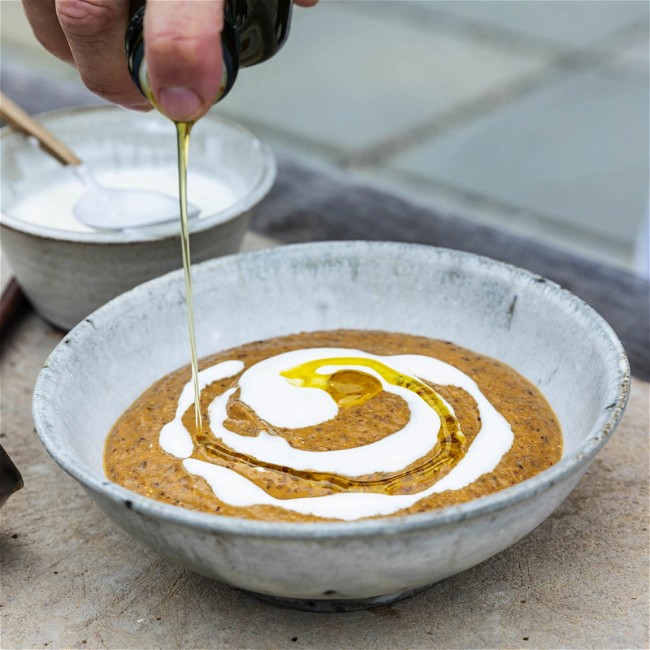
(183, 130)
(348, 388)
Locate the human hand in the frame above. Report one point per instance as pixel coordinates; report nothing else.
(182, 48)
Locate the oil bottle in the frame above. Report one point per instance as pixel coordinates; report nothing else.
(253, 31)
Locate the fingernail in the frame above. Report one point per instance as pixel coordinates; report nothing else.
(178, 103)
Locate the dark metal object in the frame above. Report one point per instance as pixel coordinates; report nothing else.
(10, 479)
(12, 305)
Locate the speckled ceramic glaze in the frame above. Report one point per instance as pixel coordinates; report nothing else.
(544, 332)
(66, 275)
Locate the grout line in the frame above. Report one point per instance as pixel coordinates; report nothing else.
(491, 211)
(451, 120)
(440, 20)
(630, 71)
(475, 29)
(575, 62)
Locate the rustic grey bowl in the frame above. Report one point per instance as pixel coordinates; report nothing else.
(544, 332)
(67, 274)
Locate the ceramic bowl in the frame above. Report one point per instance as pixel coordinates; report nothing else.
(544, 332)
(66, 274)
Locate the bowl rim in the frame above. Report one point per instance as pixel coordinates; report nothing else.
(595, 439)
(260, 189)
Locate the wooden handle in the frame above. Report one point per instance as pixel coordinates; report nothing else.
(16, 116)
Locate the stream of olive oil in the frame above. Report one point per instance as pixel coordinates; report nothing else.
(183, 138)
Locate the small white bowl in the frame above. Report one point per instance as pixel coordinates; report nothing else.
(66, 274)
(542, 331)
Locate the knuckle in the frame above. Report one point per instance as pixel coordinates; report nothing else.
(87, 17)
(106, 90)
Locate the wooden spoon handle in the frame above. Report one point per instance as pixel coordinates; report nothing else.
(20, 120)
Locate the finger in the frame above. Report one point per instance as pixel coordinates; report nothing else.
(183, 52)
(44, 22)
(306, 3)
(95, 32)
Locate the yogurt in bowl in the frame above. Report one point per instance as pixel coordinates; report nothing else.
(53, 205)
(67, 270)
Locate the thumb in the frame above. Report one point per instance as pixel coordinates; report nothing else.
(183, 53)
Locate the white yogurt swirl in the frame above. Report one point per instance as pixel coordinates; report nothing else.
(280, 403)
